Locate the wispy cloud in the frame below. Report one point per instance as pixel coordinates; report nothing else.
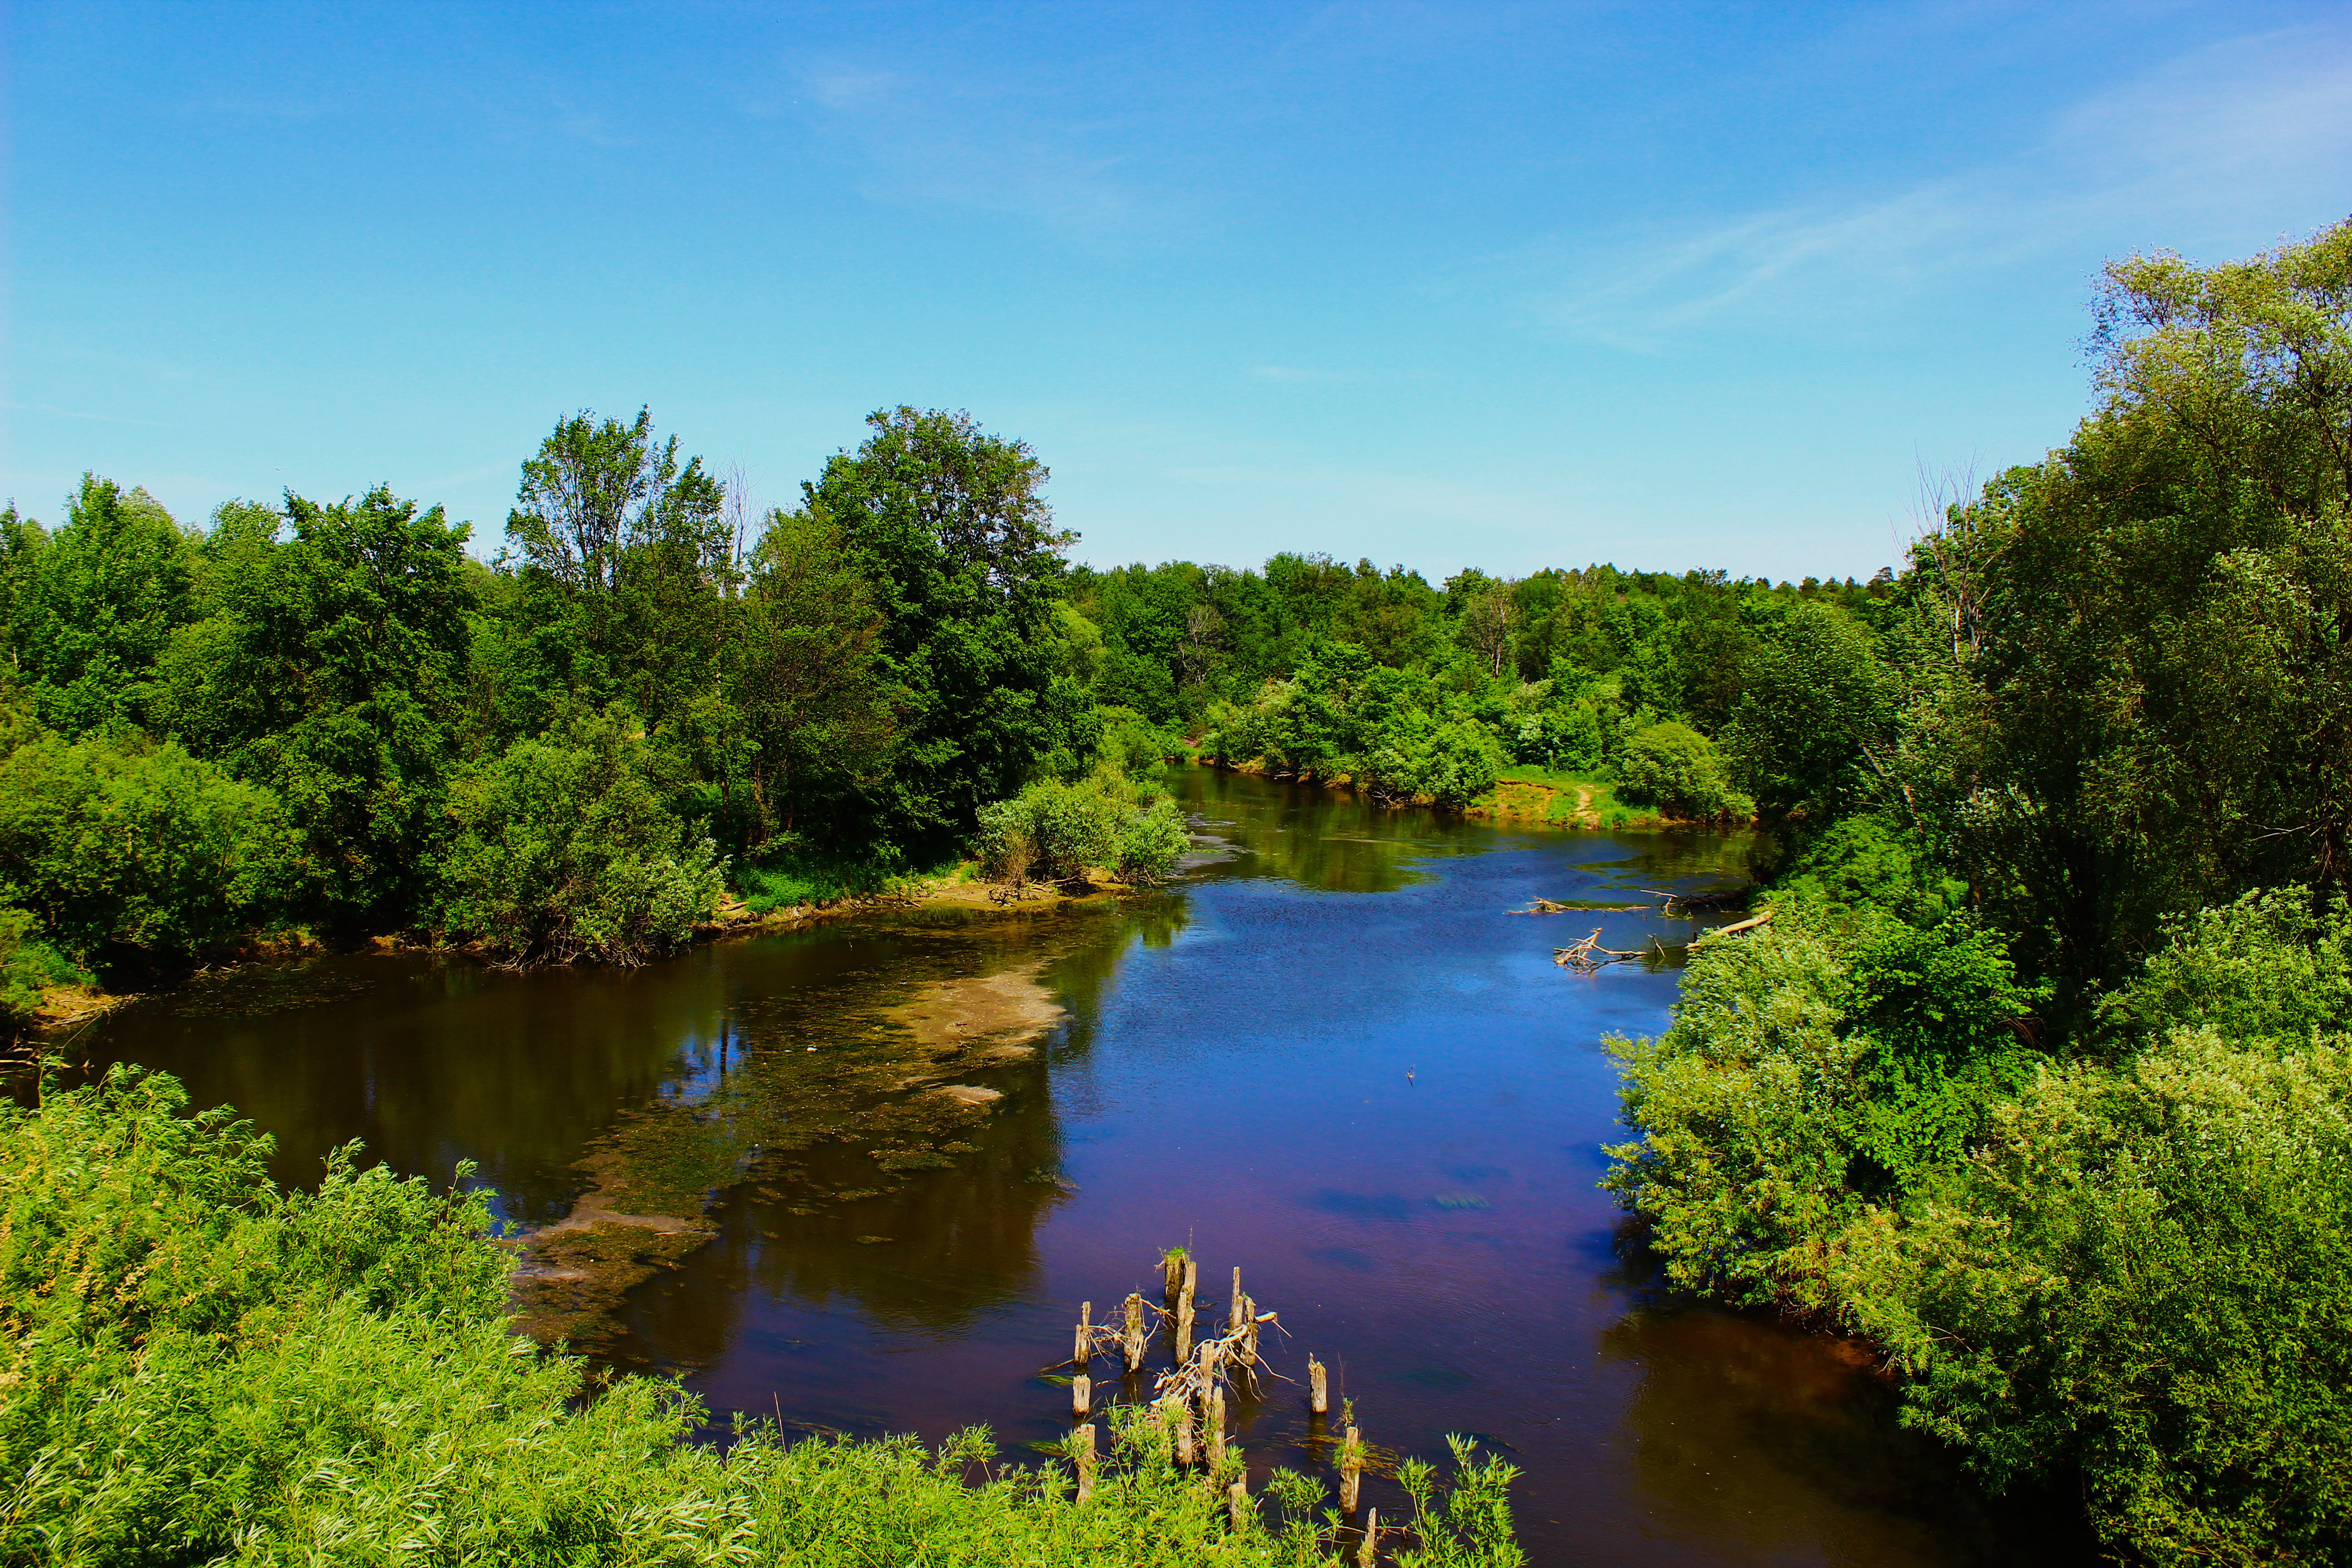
(929, 139)
(2195, 149)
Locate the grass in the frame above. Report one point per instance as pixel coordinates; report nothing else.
(801, 875)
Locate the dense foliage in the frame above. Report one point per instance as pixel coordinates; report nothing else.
(1759, 692)
(2039, 1077)
(206, 1367)
(330, 720)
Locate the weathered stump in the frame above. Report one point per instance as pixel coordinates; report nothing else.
(1135, 1339)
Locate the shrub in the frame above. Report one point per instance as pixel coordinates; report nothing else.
(1673, 766)
(565, 851)
(2147, 1274)
(1448, 762)
(126, 845)
(2141, 1272)
(1056, 830)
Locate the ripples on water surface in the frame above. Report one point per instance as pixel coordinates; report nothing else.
(1328, 1054)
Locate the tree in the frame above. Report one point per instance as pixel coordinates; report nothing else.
(2154, 707)
(564, 851)
(1815, 698)
(127, 847)
(94, 604)
(804, 673)
(638, 549)
(331, 670)
(951, 528)
(1675, 767)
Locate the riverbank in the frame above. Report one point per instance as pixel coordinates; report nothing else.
(1521, 798)
(370, 1398)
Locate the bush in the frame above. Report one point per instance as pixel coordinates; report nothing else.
(2149, 1276)
(2139, 1272)
(565, 851)
(1448, 762)
(1053, 830)
(115, 845)
(27, 966)
(207, 1368)
(1673, 766)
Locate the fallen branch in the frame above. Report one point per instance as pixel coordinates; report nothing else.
(1589, 956)
(1750, 924)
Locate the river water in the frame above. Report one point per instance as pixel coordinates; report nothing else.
(1327, 1054)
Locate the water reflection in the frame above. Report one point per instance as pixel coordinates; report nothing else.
(1329, 1053)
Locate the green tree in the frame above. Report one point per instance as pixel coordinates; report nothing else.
(629, 552)
(1815, 700)
(126, 849)
(951, 528)
(331, 668)
(1672, 765)
(2154, 701)
(93, 604)
(804, 671)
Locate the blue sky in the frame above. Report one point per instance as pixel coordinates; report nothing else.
(1511, 285)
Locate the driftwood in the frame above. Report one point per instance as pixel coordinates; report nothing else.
(1667, 904)
(1749, 924)
(1731, 898)
(1589, 956)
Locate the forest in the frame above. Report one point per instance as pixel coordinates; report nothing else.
(2035, 1079)
(314, 722)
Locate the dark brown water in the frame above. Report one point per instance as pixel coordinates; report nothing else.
(1327, 1054)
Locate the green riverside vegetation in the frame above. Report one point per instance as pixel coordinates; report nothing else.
(2036, 1079)
(204, 1368)
(2037, 1076)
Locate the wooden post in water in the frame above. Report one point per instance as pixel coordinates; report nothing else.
(1171, 1270)
(1086, 1462)
(1184, 1454)
(1082, 1397)
(1135, 1340)
(1352, 1471)
(1233, 1320)
(1237, 1500)
(1215, 1425)
(1367, 1553)
(1184, 1297)
(1319, 1386)
(1083, 1351)
(1249, 1333)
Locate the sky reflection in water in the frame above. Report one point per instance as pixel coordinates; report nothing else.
(1328, 1055)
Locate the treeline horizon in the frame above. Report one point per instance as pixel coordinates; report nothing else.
(330, 720)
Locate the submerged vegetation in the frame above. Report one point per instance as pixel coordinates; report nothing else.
(2038, 1078)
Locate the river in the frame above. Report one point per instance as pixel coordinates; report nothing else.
(1327, 1053)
